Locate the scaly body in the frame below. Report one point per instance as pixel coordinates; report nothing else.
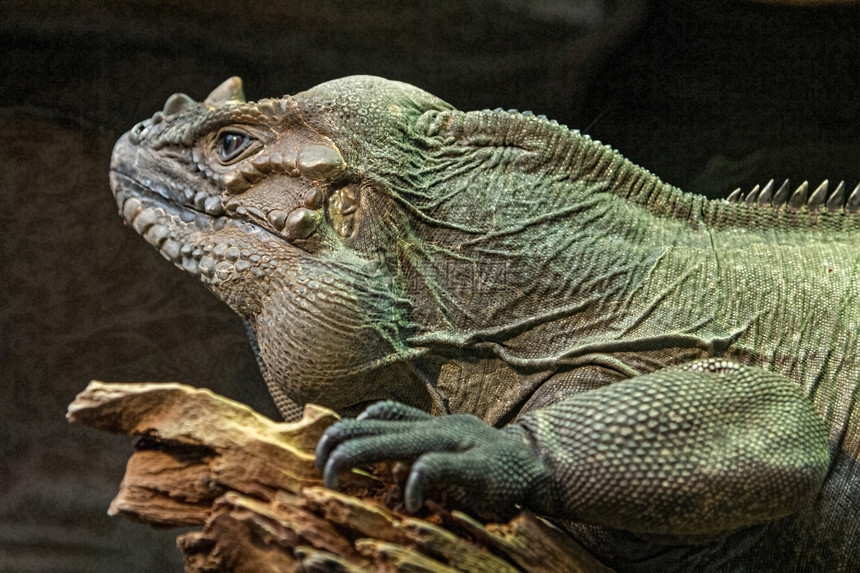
(671, 379)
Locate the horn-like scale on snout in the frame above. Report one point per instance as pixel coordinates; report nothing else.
(229, 90)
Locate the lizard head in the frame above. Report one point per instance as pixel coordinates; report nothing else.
(371, 234)
(259, 202)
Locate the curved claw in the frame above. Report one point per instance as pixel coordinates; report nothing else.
(496, 468)
(366, 424)
(335, 452)
(322, 451)
(475, 471)
(357, 442)
(413, 495)
(332, 467)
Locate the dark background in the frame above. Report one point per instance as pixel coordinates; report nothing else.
(708, 95)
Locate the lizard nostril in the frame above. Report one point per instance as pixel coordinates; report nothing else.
(136, 133)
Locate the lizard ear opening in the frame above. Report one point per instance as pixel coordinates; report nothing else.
(342, 209)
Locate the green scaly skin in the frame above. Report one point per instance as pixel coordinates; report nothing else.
(673, 380)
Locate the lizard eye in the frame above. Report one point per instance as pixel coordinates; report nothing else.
(231, 145)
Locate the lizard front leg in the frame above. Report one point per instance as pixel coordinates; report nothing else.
(696, 450)
(456, 450)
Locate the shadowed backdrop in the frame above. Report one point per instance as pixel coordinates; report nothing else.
(708, 96)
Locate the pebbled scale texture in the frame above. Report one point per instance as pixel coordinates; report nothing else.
(672, 380)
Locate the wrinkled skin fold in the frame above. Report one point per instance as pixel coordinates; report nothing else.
(670, 379)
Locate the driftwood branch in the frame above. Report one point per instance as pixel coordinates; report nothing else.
(204, 460)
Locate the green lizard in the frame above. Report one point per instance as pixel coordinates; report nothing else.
(532, 319)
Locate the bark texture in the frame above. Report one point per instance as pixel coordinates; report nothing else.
(203, 460)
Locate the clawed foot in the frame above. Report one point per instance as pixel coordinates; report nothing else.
(497, 468)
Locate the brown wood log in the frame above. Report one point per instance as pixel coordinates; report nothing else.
(202, 459)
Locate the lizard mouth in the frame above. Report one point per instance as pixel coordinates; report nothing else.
(187, 236)
(135, 197)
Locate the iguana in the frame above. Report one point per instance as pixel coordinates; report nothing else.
(532, 319)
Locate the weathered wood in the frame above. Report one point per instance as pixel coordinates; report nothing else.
(535, 546)
(202, 459)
